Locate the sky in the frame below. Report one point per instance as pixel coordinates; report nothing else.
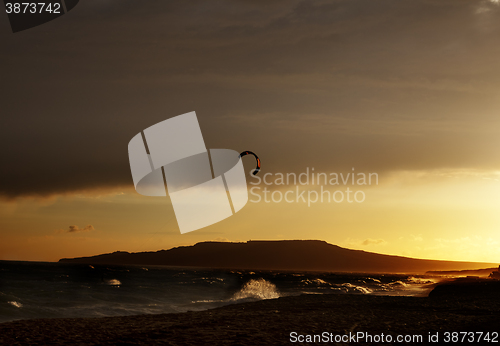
(408, 90)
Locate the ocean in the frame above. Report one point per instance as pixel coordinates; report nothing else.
(48, 290)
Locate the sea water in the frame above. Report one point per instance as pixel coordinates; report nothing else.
(48, 290)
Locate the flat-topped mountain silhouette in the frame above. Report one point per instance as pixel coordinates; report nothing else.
(299, 255)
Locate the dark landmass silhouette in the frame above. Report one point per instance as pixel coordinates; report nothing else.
(297, 255)
(478, 272)
(468, 288)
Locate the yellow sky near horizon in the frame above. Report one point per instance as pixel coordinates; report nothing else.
(408, 90)
(441, 215)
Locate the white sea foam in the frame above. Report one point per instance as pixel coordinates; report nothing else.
(419, 281)
(320, 281)
(113, 282)
(348, 287)
(207, 301)
(316, 281)
(16, 304)
(259, 288)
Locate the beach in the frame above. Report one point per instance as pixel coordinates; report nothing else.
(272, 322)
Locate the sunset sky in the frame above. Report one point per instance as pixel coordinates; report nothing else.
(409, 90)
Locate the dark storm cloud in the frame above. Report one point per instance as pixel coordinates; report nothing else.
(380, 86)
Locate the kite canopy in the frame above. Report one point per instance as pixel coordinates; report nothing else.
(257, 169)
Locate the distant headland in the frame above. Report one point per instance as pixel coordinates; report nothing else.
(296, 255)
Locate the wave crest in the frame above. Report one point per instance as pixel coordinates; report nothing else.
(16, 304)
(257, 288)
(113, 282)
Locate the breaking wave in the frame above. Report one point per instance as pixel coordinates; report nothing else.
(257, 288)
(16, 304)
(350, 288)
(315, 282)
(113, 282)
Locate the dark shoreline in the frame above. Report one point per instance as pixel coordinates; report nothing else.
(270, 322)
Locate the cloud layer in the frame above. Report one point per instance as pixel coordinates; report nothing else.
(378, 86)
(76, 229)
